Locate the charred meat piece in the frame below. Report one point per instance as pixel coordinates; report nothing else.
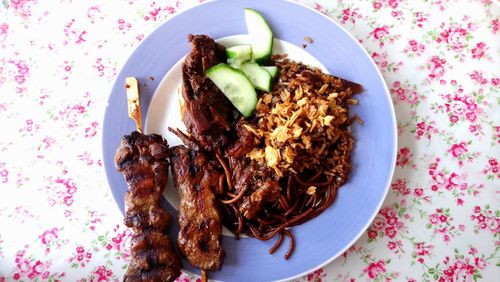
(196, 180)
(207, 114)
(340, 83)
(142, 159)
(268, 191)
(259, 183)
(245, 142)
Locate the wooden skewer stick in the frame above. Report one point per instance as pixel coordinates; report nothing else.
(133, 102)
(203, 276)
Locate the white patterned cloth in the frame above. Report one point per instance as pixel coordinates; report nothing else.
(440, 59)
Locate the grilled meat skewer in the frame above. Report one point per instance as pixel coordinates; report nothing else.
(142, 159)
(196, 179)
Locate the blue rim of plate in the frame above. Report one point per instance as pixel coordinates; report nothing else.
(326, 237)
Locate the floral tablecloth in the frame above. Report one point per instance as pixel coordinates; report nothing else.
(440, 59)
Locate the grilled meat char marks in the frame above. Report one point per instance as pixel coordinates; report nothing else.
(207, 114)
(200, 235)
(259, 183)
(142, 159)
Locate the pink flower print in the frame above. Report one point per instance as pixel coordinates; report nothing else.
(393, 4)
(390, 232)
(379, 223)
(495, 81)
(71, 188)
(480, 263)
(476, 129)
(492, 169)
(124, 26)
(454, 36)
(99, 66)
(443, 218)
(372, 234)
(422, 250)
(49, 235)
(404, 157)
(22, 7)
(471, 116)
(405, 92)
(156, 12)
(380, 32)
(139, 37)
(93, 12)
(415, 48)
(420, 18)
(381, 59)
(480, 218)
(73, 34)
(22, 71)
(473, 251)
(433, 218)
(320, 8)
(102, 273)
(425, 128)
(91, 131)
(81, 258)
(397, 14)
(351, 15)
(4, 173)
(457, 150)
(392, 221)
(442, 223)
(4, 28)
(485, 219)
(71, 115)
(316, 275)
(451, 183)
(391, 245)
(377, 5)
(399, 185)
(477, 209)
(477, 77)
(495, 25)
(436, 66)
(479, 50)
(388, 212)
(374, 269)
(36, 270)
(395, 246)
(418, 192)
(493, 224)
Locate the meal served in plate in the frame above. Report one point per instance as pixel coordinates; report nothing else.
(267, 146)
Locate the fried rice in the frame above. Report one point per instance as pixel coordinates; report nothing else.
(303, 124)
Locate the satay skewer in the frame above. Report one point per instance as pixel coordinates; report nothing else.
(134, 112)
(142, 159)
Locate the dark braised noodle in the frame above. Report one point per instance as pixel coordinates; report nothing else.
(301, 134)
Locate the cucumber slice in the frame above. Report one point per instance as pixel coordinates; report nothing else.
(235, 63)
(259, 76)
(273, 70)
(239, 52)
(235, 86)
(261, 36)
